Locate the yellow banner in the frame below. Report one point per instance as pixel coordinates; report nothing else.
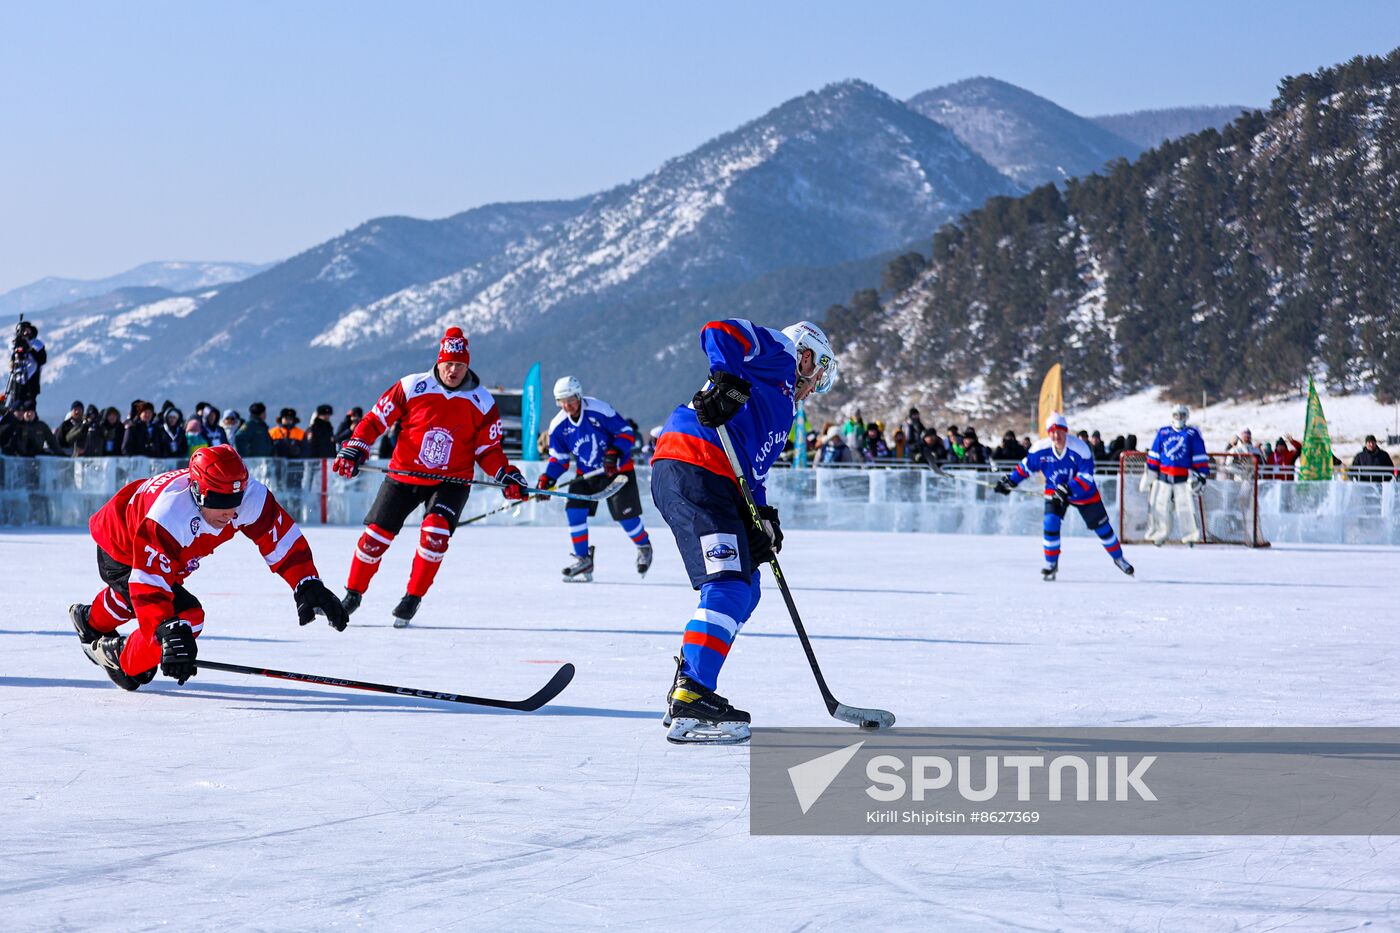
(1051, 398)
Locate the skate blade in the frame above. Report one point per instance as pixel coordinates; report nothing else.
(579, 578)
(688, 731)
(400, 623)
(93, 655)
(1048, 577)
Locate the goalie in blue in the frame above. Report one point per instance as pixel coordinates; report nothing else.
(1068, 467)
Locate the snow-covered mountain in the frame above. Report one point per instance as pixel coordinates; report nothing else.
(1027, 137)
(832, 177)
(171, 276)
(1149, 128)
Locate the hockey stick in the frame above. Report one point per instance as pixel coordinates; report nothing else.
(607, 491)
(856, 716)
(549, 691)
(516, 505)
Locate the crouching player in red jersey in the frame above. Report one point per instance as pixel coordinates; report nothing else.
(152, 534)
(449, 424)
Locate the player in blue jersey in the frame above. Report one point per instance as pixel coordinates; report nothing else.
(1067, 464)
(757, 376)
(1177, 469)
(595, 437)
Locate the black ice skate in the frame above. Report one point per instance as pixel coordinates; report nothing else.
(1047, 573)
(581, 570)
(351, 601)
(106, 652)
(696, 715)
(78, 614)
(406, 610)
(643, 558)
(1122, 564)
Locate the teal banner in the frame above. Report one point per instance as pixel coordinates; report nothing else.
(530, 411)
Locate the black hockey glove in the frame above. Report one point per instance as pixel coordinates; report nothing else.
(1198, 483)
(1060, 494)
(721, 399)
(1004, 487)
(515, 488)
(610, 458)
(349, 457)
(312, 596)
(767, 541)
(177, 650)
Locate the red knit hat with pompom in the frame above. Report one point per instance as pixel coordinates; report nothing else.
(454, 347)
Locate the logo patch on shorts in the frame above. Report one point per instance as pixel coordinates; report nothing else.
(721, 552)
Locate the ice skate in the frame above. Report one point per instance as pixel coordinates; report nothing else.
(643, 558)
(406, 610)
(351, 601)
(78, 615)
(1047, 573)
(581, 570)
(1122, 564)
(106, 652)
(696, 715)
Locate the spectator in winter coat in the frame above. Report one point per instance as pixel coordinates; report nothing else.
(231, 422)
(28, 436)
(388, 442)
(1373, 456)
(253, 438)
(83, 438)
(110, 434)
(320, 434)
(67, 426)
(288, 440)
(214, 431)
(875, 448)
(914, 428)
(139, 433)
(929, 449)
(973, 449)
(1115, 447)
(194, 435)
(168, 439)
(853, 431)
(1282, 459)
(1010, 450)
(899, 446)
(835, 450)
(1096, 446)
(952, 440)
(347, 425)
(1243, 443)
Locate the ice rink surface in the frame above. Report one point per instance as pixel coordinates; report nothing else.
(248, 803)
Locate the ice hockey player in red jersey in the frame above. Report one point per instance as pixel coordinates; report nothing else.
(449, 424)
(152, 534)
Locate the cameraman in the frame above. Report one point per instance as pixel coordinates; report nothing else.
(27, 358)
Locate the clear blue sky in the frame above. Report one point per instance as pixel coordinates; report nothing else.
(253, 130)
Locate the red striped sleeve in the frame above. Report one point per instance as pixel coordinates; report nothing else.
(732, 331)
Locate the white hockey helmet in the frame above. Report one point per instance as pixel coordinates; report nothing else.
(1055, 420)
(1180, 413)
(567, 387)
(808, 336)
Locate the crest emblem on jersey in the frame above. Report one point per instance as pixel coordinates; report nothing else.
(194, 525)
(419, 386)
(191, 565)
(436, 449)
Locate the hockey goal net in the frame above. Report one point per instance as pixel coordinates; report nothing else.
(1227, 512)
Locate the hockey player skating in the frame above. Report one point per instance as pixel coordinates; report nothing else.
(595, 437)
(757, 375)
(449, 424)
(1067, 464)
(152, 535)
(1177, 470)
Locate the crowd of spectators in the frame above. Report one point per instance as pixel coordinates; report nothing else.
(165, 432)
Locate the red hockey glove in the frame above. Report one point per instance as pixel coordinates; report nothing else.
(516, 489)
(348, 459)
(610, 458)
(544, 482)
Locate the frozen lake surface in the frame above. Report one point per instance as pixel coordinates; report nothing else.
(237, 802)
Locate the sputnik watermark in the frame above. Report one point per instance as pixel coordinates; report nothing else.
(1077, 781)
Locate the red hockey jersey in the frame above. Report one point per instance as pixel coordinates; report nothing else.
(154, 527)
(443, 431)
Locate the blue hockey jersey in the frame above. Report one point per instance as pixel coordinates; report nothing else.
(1174, 454)
(599, 427)
(1073, 468)
(767, 359)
